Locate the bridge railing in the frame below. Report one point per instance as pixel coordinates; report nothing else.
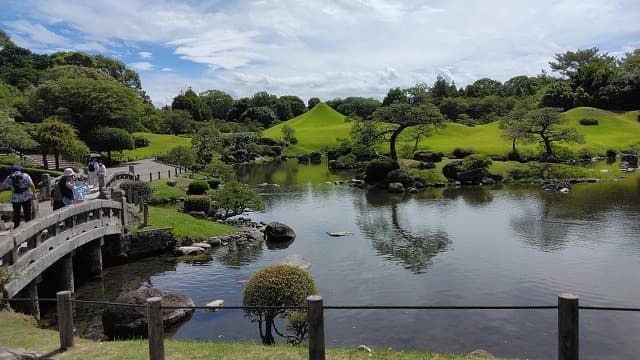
(59, 232)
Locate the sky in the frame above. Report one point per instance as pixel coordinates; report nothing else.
(325, 49)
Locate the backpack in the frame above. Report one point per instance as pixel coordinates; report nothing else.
(91, 167)
(17, 181)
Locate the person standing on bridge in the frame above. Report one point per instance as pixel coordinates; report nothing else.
(66, 184)
(20, 183)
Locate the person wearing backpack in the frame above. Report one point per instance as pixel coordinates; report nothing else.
(20, 184)
(93, 174)
(65, 185)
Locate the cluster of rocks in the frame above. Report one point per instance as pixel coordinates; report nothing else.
(314, 157)
(398, 188)
(628, 162)
(454, 172)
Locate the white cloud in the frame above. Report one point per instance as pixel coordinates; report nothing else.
(141, 66)
(145, 55)
(167, 69)
(36, 34)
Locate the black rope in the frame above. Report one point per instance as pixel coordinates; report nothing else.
(601, 308)
(105, 303)
(29, 299)
(445, 307)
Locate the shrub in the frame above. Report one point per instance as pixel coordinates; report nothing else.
(197, 203)
(426, 165)
(276, 149)
(589, 122)
(514, 156)
(476, 161)
(143, 189)
(346, 161)
(198, 187)
(214, 183)
(276, 286)
(377, 169)
(460, 153)
(140, 142)
(401, 176)
(611, 153)
(233, 198)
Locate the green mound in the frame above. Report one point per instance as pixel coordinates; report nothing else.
(318, 128)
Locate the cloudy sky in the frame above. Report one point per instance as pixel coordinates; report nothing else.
(328, 48)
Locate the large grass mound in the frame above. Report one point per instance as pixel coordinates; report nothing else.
(318, 128)
(159, 144)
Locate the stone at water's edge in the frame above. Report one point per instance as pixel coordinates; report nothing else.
(276, 231)
(297, 261)
(214, 305)
(189, 250)
(125, 322)
(395, 187)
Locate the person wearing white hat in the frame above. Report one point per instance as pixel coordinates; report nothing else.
(66, 186)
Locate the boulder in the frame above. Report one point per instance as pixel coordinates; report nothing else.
(427, 157)
(214, 305)
(413, 190)
(303, 157)
(451, 170)
(255, 235)
(189, 250)
(630, 159)
(198, 214)
(203, 245)
(297, 261)
(395, 187)
(172, 182)
(131, 322)
(214, 241)
(473, 176)
(315, 157)
(276, 231)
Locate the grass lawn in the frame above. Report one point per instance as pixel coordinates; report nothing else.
(159, 144)
(20, 332)
(184, 224)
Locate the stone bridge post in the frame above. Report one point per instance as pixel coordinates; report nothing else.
(66, 272)
(45, 189)
(95, 257)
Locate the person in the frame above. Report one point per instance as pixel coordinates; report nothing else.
(66, 186)
(80, 189)
(20, 183)
(93, 174)
(102, 169)
(56, 194)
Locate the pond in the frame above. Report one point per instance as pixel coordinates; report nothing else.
(504, 245)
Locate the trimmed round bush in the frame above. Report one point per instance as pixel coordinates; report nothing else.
(400, 176)
(197, 203)
(514, 156)
(142, 188)
(611, 153)
(377, 169)
(460, 153)
(140, 141)
(214, 183)
(198, 187)
(476, 161)
(589, 122)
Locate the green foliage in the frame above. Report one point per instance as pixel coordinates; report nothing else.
(234, 198)
(288, 134)
(190, 102)
(177, 121)
(197, 203)
(59, 138)
(198, 187)
(140, 142)
(278, 286)
(180, 155)
(111, 139)
(589, 122)
(401, 176)
(611, 153)
(426, 165)
(220, 170)
(476, 161)
(377, 169)
(217, 103)
(214, 183)
(143, 189)
(261, 114)
(205, 141)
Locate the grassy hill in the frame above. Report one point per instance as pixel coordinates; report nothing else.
(618, 131)
(315, 129)
(159, 144)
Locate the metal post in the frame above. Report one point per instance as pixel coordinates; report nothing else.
(65, 319)
(316, 327)
(568, 327)
(156, 330)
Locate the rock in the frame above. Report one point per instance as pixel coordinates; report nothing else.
(198, 214)
(427, 157)
(339, 233)
(214, 241)
(303, 157)
(473, 176)
(297, 261)
(480, 354)
(189, 250)
(395, 188)
(276, 231)
(418, 185)
(357, 183)
(203, 245)
(488, 181)
(413, 190)
(172, 182)
(451, 170)
(364, 348)
(255, 235)
(439, 185)
(630, 158)
(131, 322)
(214, 305)
(315, 157)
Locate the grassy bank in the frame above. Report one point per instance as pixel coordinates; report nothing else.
(19, 331)
(159, 144)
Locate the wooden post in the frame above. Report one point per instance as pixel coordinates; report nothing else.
(156, 331)
(175, 171)
(158, 175)
(316, 327)
(146, 215)
(568, 327)
(65, 319)
(150, 177)
(168, 173)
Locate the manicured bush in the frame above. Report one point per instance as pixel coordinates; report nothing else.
(141, 142)
(611, 153)
(476, 161)
(214, 183)
(460, 153)
(198, 187)
(276, 149)
(514, 156)
(400, 176)
(197, 203)
(589, 122)
(377, 169)
(143, 189)
(276, 286)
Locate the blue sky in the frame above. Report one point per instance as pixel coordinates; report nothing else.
(327, 49)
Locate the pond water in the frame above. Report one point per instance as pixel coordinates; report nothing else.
(507, 245)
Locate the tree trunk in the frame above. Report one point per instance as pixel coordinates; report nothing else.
(109, 157)
(547, 147)
(268, 339)
(45, 162)
(513, 146)
(392, 141)
(57, 156)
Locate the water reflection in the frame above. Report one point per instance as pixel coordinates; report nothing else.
(395, 240)
(472, 195)
(235, 256)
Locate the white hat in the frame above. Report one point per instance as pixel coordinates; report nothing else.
(68, 172)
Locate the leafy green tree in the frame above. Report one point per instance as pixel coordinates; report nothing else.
(453, 107)
(542, 125)
(442, 89)
(283, 111)
(483, 87)
(182, 156)
(20, 67)
(217, 103)
(276, 287)
(558, 94)
(569, 62)
(190, 102)
(205, 141)
(57, 137)
(400, 116)
(177, 122)
(234, 198)
(263, 99)
(73, 58)
(520, 86)
(355, 105)
(366, 137)
(289, 134)
(261, 114)
(118, 71)
(295, 104)
(313, 102)
(394, 95)
(16, 136)
(111, 139)
(220, 170)
(237, 109)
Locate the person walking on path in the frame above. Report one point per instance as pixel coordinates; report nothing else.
(20, 183)
(93, 172)
(65, 185)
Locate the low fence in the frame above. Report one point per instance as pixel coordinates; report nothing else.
(568, 309)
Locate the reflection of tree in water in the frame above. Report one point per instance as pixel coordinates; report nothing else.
(472, 195)
(381, 224)
(235, 256)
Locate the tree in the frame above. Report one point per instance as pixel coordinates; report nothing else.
(220, 170)
(277, 287)
(237, 109)
(191, 102)
(182, 156)
(261, 114)
(483, 87)
(313, 102)
(403, 116)
(177, 121)
(234, 198)
(111, 139)
(569, 62)
(366, 137)
(205, 141)
(295, 104)
(57, 137)
(217, 103)
(394, 95)
(543, 124)
(520, 86)
(15, 135)
(288, 133)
